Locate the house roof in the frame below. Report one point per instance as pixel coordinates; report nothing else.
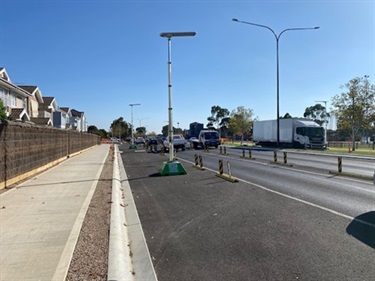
(18, 114)
(48, 100)
(30, 89)
(41, 121)
(66, 109)
(33, 90)
(76, 113)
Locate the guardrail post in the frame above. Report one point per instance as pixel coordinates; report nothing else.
(275, 156)
(339, 164)
(285, 158)
(220, 167)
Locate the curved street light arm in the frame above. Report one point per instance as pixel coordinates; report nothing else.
(260, 25)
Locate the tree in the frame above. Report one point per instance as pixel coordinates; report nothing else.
(217, 114)
(164, 130)
(3, 115)
(92, 129)
(241, 121)
(120, 128)
(286, 116)
(354, 108)
(141, 130)
(318, 113)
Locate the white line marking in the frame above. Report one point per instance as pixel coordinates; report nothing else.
(297, 199)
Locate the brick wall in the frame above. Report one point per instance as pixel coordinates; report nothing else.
(26, 149)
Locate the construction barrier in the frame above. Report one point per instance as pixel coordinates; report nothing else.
(228, 176)
(229, 170)
(221, 167)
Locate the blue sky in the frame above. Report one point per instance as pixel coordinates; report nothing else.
(101, 56)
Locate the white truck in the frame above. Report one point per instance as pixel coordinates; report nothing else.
(294, 132)
(179, 142)
(206, 138)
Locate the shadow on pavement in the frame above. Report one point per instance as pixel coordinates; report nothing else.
(363, 228)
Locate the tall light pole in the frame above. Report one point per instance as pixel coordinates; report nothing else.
(172, 167)
(277, 37)
(325, 120)
(132, 146)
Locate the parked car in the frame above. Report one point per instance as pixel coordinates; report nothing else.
(140, 140)
(178, 142)
(151, 141)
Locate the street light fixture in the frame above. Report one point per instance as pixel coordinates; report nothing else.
(172, 167)
(325, 120)
(132, 146)
(277, 37)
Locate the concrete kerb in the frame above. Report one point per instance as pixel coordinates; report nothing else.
(140, 256)
(119, 260)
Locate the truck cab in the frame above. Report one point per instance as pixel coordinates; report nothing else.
(209, 138)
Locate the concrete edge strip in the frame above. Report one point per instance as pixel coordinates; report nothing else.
(141, 258)
(67, 254)
(119, 260)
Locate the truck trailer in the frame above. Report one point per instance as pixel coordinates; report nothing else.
(294, 132)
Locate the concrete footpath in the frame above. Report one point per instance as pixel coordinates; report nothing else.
(40, 220)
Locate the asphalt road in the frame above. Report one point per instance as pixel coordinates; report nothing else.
(277, 223)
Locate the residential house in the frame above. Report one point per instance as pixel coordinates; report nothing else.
(68, 117)
(35, 100)
(47, 107)
(15, 99)
(78, 121)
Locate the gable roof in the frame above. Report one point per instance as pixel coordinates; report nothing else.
(18, 114)
(33, 90)
(76, 113)
(41, 121)
(4, 75)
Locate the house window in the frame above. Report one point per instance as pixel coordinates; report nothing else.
(4, 97)
(13, 100)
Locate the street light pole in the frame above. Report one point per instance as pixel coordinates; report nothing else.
(169, 36)
(132, 146)
(277, 37)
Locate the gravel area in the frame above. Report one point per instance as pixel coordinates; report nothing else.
(90, 257)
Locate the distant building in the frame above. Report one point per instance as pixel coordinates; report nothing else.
(194, 129)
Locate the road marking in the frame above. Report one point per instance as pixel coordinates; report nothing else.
(297, 199)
